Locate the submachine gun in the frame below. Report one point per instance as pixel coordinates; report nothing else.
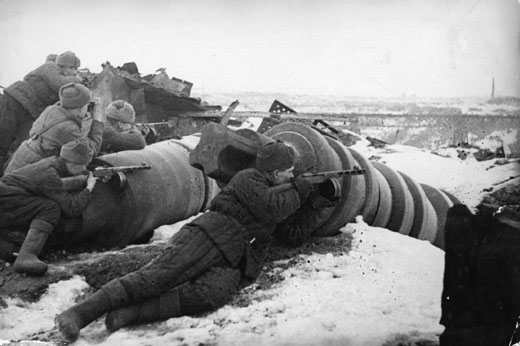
(116, 174)
(327, 183)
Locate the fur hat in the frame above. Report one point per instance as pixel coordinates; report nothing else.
(77, 151)
(68, 59)
(74, 95)
(275, 156)
(120, 110)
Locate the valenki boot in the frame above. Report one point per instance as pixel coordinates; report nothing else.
(27, 261)
(111, 296)
(159, 308)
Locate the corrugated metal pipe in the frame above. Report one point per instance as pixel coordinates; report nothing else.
(383, 196)
(172, 190)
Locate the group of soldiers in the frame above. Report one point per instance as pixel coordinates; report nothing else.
(48, 132)
(204, 262)
(50, 128)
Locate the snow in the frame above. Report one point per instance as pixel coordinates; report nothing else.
(465, 179)
(388, 285)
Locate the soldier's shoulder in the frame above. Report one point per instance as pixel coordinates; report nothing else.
(249, 173)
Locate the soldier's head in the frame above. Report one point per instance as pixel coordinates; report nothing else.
(277, 160)
(68, 62)
(75, 97)
(77, 155)
(120, 115)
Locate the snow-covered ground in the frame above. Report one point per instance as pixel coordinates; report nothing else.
(387, 286)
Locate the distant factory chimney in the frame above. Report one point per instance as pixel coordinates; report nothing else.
(493, 89)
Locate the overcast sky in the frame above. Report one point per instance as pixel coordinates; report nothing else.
(444, 48)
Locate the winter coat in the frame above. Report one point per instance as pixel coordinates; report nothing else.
(298, 227)
(248, 200)
(43, 179)
(40, 88)
(114, 141)
(15, 123)
(232, 234)
(55, 127)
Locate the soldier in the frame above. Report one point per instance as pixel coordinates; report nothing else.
(120, 132)
(59, 124)
(204, 262)
(33, 197)
(24, 101)
(481, 293)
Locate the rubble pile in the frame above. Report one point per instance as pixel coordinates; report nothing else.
(160, 102)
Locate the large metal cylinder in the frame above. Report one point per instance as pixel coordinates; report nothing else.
(383, 196)
(172, 190)
(177, 186)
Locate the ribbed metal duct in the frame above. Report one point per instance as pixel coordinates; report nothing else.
(383, 196)
(172, 190)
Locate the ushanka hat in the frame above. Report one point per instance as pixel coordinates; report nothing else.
(68, 59)
(275, 156)
(74, 95)
(77, 151)
(121, 110)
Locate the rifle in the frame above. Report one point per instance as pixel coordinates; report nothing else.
(152, 131)
(105, 174)
(160, 123)
(327, 182)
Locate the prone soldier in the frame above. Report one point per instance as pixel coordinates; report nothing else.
(204, 262)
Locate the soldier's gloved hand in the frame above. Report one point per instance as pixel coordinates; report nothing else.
(91, 181)
(149, 134)
(303, 187)
(98, 112)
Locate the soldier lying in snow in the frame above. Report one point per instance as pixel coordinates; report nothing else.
(204, 262)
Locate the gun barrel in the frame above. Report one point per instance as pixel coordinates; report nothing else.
(103, 171)
(318, 178)
(329, 174)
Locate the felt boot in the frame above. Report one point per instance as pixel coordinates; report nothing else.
(27, 260)
(158, 308)
(111, 296)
